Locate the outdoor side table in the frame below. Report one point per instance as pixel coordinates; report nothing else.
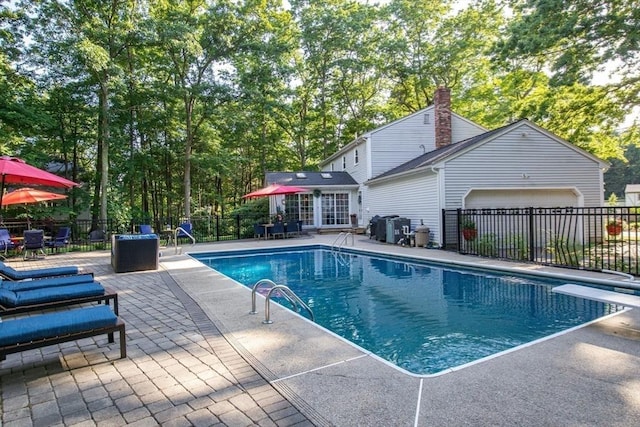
(134, 252)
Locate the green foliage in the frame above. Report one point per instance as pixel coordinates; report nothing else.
(487, 245)
(164, 102)
(467, 223)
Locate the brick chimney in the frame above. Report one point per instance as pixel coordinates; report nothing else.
(442, 113)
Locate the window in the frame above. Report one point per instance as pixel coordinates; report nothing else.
(332, 169)
(299, 207)
(356, 158)
(325, 175)
(344, 162)
(335, 209)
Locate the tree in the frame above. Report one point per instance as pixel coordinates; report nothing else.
(198, 39)
(577, 38)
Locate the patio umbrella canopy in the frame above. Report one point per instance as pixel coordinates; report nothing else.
(24, 196)
(30, 195)
(17, 171)
(274, 190)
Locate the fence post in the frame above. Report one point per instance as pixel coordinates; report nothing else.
(458, 231)
(238, 227)
(443, 230)
(532, 239)
(217, 228)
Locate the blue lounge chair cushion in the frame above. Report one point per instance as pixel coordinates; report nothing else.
(14, 274)
(56, 293)
(26, 285)
(49, 325)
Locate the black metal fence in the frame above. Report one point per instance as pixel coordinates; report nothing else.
(204, 229)
(599, 238)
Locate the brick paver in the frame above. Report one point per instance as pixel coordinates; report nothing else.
(179, 371)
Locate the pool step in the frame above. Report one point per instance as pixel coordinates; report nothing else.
(599, 295)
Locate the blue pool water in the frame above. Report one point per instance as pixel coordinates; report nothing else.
(423, 317)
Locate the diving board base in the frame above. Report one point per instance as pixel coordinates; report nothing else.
(609, 297)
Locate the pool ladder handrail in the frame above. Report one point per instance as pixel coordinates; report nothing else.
(287, 293)
(343, 237)
(175, 238)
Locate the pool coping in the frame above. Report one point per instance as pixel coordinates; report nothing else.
(310, 367)
(469, 266)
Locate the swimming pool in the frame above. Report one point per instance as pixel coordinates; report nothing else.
(421, 316)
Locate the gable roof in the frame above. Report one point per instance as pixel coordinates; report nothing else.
(367, 134)
(433, 157)
(311, 179)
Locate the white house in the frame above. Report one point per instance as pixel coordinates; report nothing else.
(434, 159)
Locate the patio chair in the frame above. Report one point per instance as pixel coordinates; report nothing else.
(145, 229)
(15, 302)
(97, 236)
(61, 240)
(292, 228)
(11, 273)
(33, 243)
(5, 241)
(42, 330)
(277, 230)
(185, 232)
(258, 231)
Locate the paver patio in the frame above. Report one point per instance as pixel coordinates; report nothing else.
(195, 357)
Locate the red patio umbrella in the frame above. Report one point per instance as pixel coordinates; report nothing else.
(274, 190)
(30, 195)
(16, 171)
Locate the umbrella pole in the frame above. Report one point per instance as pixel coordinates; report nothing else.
(1, 193)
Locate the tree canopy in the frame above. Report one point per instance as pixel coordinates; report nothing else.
(175, 108)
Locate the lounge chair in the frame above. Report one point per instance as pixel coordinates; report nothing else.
(13, 274)
(145, 229)
(46, 282)
(42, 330)
(5, 241)
(61, 240)
(33, 243)
(185, 231)
(14, 302)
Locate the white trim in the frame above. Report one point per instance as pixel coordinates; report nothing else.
(573, 189)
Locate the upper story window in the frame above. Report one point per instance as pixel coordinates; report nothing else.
(356, 158)
(332, 167)
(344, 162)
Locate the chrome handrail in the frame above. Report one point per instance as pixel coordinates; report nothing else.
(175, 237)
(344, 236)
(287, 293)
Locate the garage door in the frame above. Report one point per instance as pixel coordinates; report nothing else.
(521, 198)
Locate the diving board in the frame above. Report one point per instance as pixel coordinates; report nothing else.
(599, 295)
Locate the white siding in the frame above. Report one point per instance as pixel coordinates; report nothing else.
(522, 158)
(401, 141)
(406, 139)
(415, 198)
(462, 129)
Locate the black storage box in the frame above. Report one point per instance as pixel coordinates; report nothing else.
(134, 252)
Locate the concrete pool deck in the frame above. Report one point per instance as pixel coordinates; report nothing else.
(197, 357)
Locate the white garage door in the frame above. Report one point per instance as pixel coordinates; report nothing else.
(521, 198)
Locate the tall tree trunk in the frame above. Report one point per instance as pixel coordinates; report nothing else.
(188, 150)
(104, 142)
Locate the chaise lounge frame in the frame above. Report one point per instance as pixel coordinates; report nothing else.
(44, 342)
(109, 296)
